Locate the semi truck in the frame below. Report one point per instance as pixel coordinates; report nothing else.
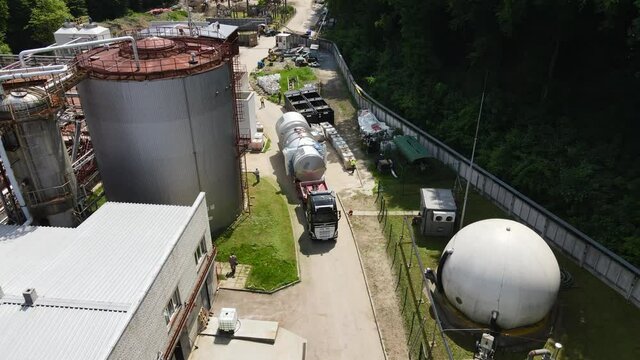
(305, 162)
(320, 209)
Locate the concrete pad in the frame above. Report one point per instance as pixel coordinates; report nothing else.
(237, 281)
(247, 329)
(287, 346)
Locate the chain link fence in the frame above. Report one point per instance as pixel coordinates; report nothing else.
(425, 335)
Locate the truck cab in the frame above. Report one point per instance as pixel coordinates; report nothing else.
(322, 215)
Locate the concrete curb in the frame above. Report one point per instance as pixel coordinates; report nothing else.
(263, 291)
(366, 281)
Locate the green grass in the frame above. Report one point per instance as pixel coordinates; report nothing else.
(138, 20)
(267, 146)
(304, 75)
(595, 322)
(97, 196)
(263, 239)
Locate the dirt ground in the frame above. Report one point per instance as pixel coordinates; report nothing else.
(377, 266)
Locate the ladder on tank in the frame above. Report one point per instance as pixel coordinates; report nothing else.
(239, 71)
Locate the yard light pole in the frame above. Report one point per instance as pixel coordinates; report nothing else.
(473, 153)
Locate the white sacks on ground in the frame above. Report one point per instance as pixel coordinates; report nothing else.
(369, 124)
(338, 143)
(270, 83)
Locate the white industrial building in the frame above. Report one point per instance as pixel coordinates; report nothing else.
(128, 283)
(75, 33)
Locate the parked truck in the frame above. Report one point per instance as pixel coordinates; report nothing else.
(305, 162)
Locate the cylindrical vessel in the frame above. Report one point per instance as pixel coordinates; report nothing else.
(304, 157)
(38, 156)
(170, 132)
(288, 121)
(501, 266)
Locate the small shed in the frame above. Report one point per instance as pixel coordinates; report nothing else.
(410, 148)
(284, 41)
(438, 211)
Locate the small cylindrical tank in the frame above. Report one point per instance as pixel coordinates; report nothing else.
(304, 157)
(166, 131)
(38, 156)
(500, 266)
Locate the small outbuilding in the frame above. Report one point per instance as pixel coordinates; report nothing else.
(284, 41)
(438, 211)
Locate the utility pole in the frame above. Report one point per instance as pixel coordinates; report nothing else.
(473, 153)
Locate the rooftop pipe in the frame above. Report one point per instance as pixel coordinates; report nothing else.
(25, 53)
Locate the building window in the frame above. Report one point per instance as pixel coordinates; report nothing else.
(172, 307)
(201, 250)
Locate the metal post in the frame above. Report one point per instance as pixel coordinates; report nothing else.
(15, 183)
(473, 154)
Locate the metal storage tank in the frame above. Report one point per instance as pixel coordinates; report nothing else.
(37, 155)
(166, 131)
(304, 157)
(503, 266)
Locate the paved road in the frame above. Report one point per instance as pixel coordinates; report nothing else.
(330, 306)
(305, 16)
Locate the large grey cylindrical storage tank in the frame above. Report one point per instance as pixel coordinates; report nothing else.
(166, 138)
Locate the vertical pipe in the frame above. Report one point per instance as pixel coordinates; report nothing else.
(76, 141)
(16, 185)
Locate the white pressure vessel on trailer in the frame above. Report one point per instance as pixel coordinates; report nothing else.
(304, 157)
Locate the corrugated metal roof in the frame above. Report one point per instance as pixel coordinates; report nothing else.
(410, 148)
(172, 28)
(88, 280)
(57, 333)
(438, 199)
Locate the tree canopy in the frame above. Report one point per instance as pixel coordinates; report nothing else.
(31, 23)
(46, 18)
(560, 119)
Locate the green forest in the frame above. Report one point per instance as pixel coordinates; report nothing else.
(561, 116)
(31, 23)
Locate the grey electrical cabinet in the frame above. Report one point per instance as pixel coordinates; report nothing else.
(438, 212)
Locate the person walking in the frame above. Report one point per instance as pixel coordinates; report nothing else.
(262, 102)
(233, 262)
(257, 174)
(352, 165)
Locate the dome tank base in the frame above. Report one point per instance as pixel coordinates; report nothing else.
(513, 340)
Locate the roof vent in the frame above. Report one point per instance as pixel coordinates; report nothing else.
(30, 296)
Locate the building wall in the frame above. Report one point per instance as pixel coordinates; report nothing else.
(247, 123)
(147, 333)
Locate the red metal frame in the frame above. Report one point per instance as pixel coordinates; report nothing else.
(184, 315)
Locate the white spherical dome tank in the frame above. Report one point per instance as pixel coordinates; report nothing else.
(500, 265)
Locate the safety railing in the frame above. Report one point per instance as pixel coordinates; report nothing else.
(40, 197)
(609, 267)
